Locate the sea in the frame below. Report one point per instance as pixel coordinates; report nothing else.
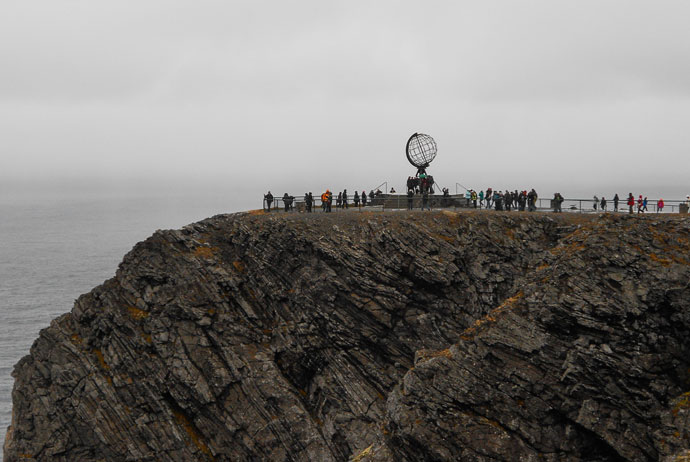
(55, 246)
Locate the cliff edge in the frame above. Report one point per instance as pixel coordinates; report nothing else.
(373, 337)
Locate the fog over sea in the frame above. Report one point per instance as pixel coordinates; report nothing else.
(55, 246)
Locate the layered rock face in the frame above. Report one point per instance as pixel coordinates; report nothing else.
(373, 337)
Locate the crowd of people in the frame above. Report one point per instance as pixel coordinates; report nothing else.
(499, 200)
(489, 199)
(342, 200)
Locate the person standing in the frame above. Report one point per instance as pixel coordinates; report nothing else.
(596, 202)
(644, 204)
(324, 200)
(603, 204)
(425, 200)
(410, 198)
(659, 205)
(557, 201)
(364, 198)
(355, 198)
(269, 200)
(286, 202)
(631, 202)
(498, 200)
(307, 202)
(639, 204)
(531, 201)
(345, 199)
(481, 198)
(339, 200)
(615, 202)
(473, 196)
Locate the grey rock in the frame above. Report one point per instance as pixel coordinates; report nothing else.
(372, 337)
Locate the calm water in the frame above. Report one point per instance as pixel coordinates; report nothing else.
(53, 249)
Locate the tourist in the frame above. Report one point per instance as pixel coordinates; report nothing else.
(640, 203)
(615, 202)
(557, 200)
(631, 202)
(355, 198)
(269, 200)
(324, 200)
(473, 196)
(644, 204)
(481, 198)
(410, 196)
(596, 202)
(286, 202)
(307, 202)
(339, 200)
(425, 200)
(489, 197)
(364, 198)
(532, 201)
(498, 200)
(659, 205)
(345, 198)
(603, 204)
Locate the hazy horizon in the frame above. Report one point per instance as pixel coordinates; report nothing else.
(582, 98)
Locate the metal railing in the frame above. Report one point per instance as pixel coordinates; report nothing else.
(587, 206)
(459, 201)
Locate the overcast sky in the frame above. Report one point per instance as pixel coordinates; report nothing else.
(572, 95)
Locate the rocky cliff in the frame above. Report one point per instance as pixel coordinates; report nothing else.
(373, 337)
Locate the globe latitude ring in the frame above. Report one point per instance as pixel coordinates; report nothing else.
(420, 150)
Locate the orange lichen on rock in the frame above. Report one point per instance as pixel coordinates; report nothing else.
(193, 434)
(491, 317)
(136, 313)
(664, 261)
(101, 359)
(682, 404)
(205, 252)
(426, 355)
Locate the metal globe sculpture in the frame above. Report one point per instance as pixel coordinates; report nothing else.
(421, 150)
